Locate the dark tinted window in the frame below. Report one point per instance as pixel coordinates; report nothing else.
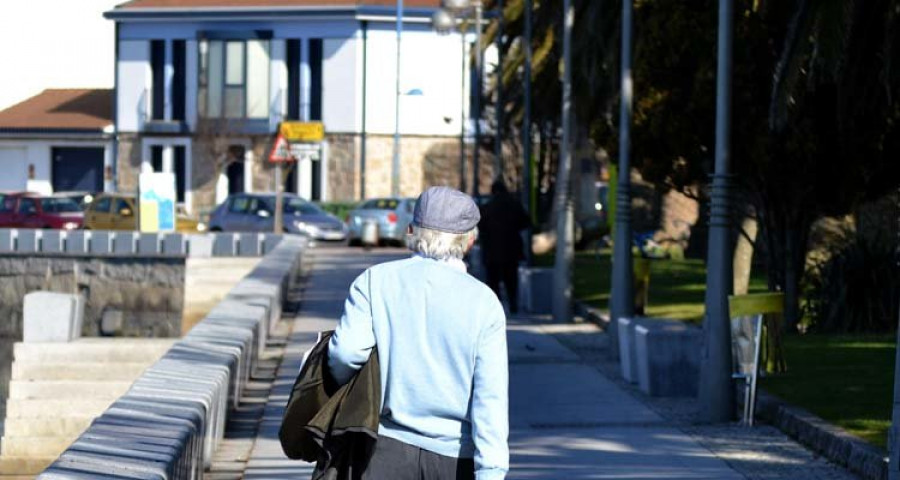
(101, 205)
(59, 205)
(298, 205)
(381, 204)
(239, 205)
(7, 204)
(257, 204)
(121, 204)
(28, 206)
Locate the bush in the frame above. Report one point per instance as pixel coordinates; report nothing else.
(857, 289)
(338, 209)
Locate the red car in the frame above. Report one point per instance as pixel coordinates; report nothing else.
(32, 210)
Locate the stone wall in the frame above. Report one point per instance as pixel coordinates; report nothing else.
(146, 293)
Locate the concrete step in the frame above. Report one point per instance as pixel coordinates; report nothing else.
(56, 408)
(119, 350)
(79, 371)
(46, 427)
(30, 447)
(83, 389)
(23, 467)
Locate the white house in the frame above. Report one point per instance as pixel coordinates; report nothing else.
(202, 85)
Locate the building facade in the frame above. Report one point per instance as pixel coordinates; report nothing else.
(202, 86)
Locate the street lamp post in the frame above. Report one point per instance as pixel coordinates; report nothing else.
(716, 393)
(526, 131)
(444, 21)
(395, 164)
(562, 270)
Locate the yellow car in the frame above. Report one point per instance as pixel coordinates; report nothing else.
(116, 211)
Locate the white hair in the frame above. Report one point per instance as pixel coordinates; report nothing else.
(440, 245)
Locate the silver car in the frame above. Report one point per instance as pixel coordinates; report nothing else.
(391, 216)
(255, 212)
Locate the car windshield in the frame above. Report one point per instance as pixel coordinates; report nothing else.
(59, 205)
(298, 206)
(381, 204)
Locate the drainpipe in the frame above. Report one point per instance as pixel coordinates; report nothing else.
(363, 135)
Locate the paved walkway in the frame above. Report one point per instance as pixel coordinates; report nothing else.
(568, 419)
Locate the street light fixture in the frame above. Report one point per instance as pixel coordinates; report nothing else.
(443, 21)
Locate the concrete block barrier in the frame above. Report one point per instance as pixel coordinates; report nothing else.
(52, 241)
(668, 357)
(249, 245)
(28, 241)
(7, 240)
(77, 242)
(174, 244)
(169, 422)
(627, 358)
(124, 243)
(100, 243)
(149, 244)
(52, 317)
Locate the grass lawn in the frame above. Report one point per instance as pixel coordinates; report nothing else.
(677, 288)
(847, 380)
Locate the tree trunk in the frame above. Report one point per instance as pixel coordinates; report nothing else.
(743, 256)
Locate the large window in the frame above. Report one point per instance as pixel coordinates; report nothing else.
(234, 79)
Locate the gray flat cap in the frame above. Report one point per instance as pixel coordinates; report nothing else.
(447, 210)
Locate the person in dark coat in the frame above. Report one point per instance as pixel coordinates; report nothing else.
(502, 220)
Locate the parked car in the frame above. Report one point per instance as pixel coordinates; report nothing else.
(32, 210)
(118, 211)
(392, 216)
(255, 212)
(83, 199)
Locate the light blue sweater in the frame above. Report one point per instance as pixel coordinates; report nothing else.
(441, 337)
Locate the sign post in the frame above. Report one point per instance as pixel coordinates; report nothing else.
(280, 153)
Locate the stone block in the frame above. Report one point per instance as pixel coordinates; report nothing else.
(77, 242)
(7, 240)
(52, 317)
(148, 244)
(52, 241)
(28, 241)
(270, 241)
(100, 243)
(668, 357)
(249, 245)
(124, 243)
(535, 290)
(627, 357)
(224, 244)
(200, 246)
(174, 244)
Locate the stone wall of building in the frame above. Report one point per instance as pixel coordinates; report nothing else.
(146, 295)
(129, 162)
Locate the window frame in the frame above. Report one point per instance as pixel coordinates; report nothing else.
(203, 77)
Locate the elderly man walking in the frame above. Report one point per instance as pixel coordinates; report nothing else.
(441, 338)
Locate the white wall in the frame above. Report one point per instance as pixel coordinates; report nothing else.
(55, 44)
(430, 63)
(17, 155)
(134, 84)
(341, 84)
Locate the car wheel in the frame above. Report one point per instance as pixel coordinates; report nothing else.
(215, 229)
(354, 242)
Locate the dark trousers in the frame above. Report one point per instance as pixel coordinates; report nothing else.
(395, 460)
(508, 273)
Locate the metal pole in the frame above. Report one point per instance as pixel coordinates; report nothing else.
(893, 443)
(716, 392)
(365, 87)
(498, 142)
(526, 132)
(279, 200)
(476, 100)
(462, 112)
(622, 301)
(562, 270)
(395, 164)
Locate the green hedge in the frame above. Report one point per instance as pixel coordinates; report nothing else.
(338, 209)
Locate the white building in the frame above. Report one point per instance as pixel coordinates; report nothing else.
(198, 81)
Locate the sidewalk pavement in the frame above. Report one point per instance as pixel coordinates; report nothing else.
(568, 419)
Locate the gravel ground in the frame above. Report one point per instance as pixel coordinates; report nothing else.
(760, 452)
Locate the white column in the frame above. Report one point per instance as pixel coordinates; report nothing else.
(305, 80)
(304, 178)
(168, 159)
(108, 184)
(168, 77)
(323, 172)
(188, 178)
(248, 169)
(277, 83)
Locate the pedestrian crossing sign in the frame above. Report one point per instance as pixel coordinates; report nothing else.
(281, 151)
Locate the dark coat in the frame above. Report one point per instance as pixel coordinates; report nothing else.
(336, 426)
(502, 220)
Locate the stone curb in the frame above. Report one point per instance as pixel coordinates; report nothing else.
(824, 438)
(591, 314)
(170, 421)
